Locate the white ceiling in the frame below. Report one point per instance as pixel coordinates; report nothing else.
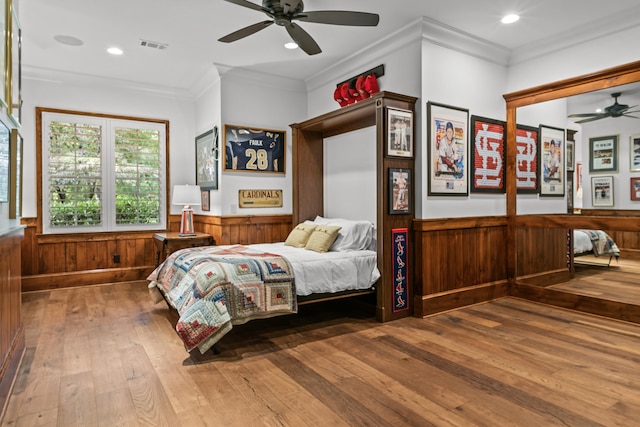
(191, 29)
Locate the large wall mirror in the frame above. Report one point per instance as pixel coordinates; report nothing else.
(606, 153)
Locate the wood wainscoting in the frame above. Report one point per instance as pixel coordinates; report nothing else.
(60, 261)
(12, 337)
(459, 262)
(627, 241)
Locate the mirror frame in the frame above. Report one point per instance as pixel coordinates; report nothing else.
(611, 77)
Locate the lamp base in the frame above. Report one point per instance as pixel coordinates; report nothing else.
(186, 223)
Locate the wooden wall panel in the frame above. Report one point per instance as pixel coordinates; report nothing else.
(459, 261)
(54, 261)
(541, 250)
(12, 343)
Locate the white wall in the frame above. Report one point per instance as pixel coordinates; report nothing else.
(458, 79)
(264, 102)
(209, 114)
(79, 93)
(623, 127)
(349, 179)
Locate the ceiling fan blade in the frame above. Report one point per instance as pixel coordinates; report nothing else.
(246, 3)
(303, 39)
(340, 17)
(629, 115)
(289, 5)
(598, 117)
(584, 115)
(244, 32)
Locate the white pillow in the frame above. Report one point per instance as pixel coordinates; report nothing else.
(353, 235)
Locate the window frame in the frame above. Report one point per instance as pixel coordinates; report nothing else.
(109, 224)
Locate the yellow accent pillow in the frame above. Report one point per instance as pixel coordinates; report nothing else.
(322, 238)
(299, 235)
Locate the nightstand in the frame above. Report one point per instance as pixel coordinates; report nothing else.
(167, 243)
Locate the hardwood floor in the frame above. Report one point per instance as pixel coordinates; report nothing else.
(106, 356)
(620, 281)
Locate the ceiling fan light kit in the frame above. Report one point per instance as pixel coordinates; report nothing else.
(283, 12)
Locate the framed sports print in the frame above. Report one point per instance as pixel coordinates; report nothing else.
(487, 155)
(603, 154)
(527, 159)
(399, 133)
(254, 150)
(399, 191)
(207, 160)
(602, 191)
(553, 161)
(205, 200)
(635, 189)
(634, 153)
(447, 150)
(570, 155)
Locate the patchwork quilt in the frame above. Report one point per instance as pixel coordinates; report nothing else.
(214, 288)
(602, 243)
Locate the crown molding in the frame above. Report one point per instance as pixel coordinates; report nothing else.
(60, 77)
(601, 28)
(449, 37)
(353, 63)
(247, 76)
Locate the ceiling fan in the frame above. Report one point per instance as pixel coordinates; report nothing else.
(614, 110)
(283, 12)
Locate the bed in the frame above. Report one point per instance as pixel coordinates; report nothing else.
(214, 288)
(594, 242)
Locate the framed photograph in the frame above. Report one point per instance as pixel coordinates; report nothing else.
(254, 150)
(578, 178)
(487, 155)
(527, 172)
(552, 145)
(570, 192)
(570, 155)
(15, 174)
(399, 191)
(15, 94)
(602, 191)
(635, 189)
(603, 154)
(634, 152)
(205, 201)
(4, 162)
(207, 160)
(399, 133)
(447, 150)
(3, 45)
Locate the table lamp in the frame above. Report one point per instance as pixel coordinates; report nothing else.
(187, 196)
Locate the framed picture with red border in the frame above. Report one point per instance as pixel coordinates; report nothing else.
(487, 155)
(527, 156)
(635, 189)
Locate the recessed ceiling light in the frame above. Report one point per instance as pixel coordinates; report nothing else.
(115, 51)
(510, 19)
(598, 110)
(68, 40)
(291, 45)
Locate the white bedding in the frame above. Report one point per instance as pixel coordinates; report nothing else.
(327, 272)
(581, 242)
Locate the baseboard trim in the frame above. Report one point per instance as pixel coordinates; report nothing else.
(42, 282)
(428, 305)
(9, 371)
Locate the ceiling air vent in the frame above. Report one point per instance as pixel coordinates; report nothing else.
(153, 45)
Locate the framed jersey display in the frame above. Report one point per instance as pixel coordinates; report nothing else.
(254, 150)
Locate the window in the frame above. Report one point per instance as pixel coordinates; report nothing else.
(102, 173)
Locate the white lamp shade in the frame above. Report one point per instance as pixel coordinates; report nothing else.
(186, 195)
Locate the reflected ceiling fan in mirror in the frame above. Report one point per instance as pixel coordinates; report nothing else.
(283, 12)
(614, 110)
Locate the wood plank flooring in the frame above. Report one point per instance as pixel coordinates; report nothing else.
(620, 281)
(106, 356)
